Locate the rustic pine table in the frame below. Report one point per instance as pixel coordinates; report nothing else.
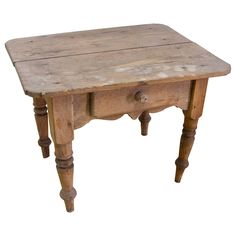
(105, 73)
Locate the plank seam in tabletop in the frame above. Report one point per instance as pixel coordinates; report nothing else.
(90, 41)
(88, 53)
(81, 68)
(92, 72)
(93, 60)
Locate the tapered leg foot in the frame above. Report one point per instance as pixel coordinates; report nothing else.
(65, 169)
(180, 167)
(44, 144)
(60, 111)
(144, 118)
(41, 118)
(186, 143)
(68, 198)
(192, 115)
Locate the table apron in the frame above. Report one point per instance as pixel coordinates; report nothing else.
(112, 104)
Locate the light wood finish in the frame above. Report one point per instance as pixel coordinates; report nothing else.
(131, 67)
(81, 104)
(41, 118)
(190, 125)
(124, 100)
(65, 169)
(119, 67)
(60, 111)
(106, 73)
(92, 41)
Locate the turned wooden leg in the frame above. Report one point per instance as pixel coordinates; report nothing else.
(60, 111)
(144, 118)
(186, 144)
(41, 118)
(194, 111)
(65, 169)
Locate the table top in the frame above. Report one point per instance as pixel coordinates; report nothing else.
(88, 61)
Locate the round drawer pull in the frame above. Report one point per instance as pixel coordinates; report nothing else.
(141, 97)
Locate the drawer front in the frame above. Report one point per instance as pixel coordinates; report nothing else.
(140, 98)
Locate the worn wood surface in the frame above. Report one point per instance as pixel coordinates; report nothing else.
(109, 72)
(192, 115)
(92, 41)
(81, 110)
(60, 110)
(112, 104)
(150, 60)
(61, 118)
(120, 101)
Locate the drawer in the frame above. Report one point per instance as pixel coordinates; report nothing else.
(139, 98)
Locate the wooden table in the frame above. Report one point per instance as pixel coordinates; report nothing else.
(105, 73)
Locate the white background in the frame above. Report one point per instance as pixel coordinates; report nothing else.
(125, 182)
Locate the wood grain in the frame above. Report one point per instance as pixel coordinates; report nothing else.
(192, 115)
(65, 169)
(92, 41)
(61, 119)
(41, 118)
(120, 101)
(93, 72)
(105, 73)
(81, 110)
(60, 110)
(89, 61)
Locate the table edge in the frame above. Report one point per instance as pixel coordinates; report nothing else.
(130, 84)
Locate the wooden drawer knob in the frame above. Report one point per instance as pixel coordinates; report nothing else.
(141, 97)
